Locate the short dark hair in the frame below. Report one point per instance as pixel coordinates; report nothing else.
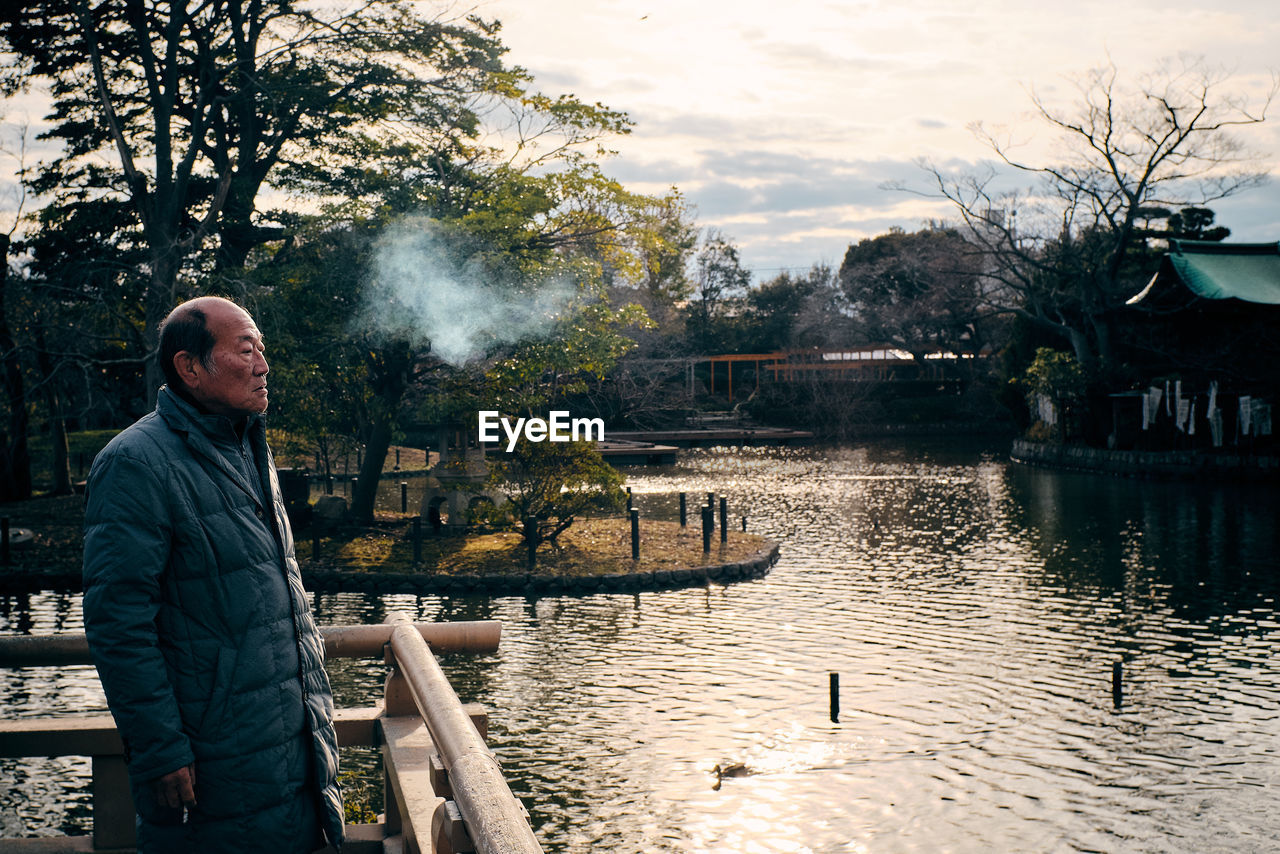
(184, 329)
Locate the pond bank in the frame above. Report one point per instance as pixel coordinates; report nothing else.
(1185, 465)
(594, 556)
(533, 584)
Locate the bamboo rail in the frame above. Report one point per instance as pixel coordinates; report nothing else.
(359, 641)
(444, 791)
(496, 821)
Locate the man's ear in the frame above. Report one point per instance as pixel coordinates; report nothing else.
(185, 363)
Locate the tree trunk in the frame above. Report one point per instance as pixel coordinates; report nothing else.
(62, 484)
(61, 457)
(161, 299)
(375, 455)
(15, 456)
(1083, 351)
(389, 370)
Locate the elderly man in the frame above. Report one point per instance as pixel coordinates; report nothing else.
(195, 612)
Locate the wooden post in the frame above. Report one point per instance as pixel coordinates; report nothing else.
(706, 529)
(404, 497)
(397, 698)
(711, 503)
(628, 499)
(683, 510)
(113, 811)
(724, 520)
(531, 539)
(835, 698)
(744, 524)
(1117, 683)
(635, 534)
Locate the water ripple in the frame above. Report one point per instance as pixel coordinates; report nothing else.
(973, 612)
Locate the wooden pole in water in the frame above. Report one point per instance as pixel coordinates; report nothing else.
(835, 697)
(684, 515)
(1117, 683)
(635, 534)
(724, 520)
(404, 497)
(706, 529)
(531, 540)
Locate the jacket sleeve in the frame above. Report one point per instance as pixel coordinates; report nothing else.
(128, 535)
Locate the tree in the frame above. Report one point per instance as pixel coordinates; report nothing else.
(202, 106)
(553, 483)
(792, 311)
(1057, 377)
(15, 456)
(1065, 255)
(662, 239)
(917, 291)
(719, 278)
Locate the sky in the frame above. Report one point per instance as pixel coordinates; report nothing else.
(783, 121)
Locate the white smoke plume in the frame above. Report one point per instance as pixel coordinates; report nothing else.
(428, 288)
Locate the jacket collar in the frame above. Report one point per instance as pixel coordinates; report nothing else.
(202, 430)
(182, 414)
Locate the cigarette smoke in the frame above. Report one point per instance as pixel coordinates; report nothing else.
(432, 288)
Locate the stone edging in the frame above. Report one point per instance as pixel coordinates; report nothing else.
(1148, 464)
(332, 581)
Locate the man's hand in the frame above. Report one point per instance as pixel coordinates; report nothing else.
(177, 788)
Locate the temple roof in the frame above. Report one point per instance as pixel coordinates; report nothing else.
(1249, 272)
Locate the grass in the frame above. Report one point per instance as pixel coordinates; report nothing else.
(600, 546)
(82, 446)
(593, 546)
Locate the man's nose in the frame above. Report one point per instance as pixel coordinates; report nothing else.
(260, 367)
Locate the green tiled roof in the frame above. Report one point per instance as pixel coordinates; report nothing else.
(1245, 271)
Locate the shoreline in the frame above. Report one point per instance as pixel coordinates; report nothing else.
(23, 580)
(1155, 465)
(594, 557)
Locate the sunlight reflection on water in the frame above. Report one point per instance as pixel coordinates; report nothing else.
(973, 610)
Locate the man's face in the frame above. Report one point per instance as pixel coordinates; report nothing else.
(236, 385)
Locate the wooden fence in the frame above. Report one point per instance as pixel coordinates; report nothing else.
(444, 790)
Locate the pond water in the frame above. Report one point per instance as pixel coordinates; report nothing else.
(973, 611)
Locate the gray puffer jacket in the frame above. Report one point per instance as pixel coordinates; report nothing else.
(202, 634)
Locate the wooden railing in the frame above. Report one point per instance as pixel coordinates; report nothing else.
(444, 790)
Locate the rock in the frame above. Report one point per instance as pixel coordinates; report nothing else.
(330, 508)
(20, 538)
